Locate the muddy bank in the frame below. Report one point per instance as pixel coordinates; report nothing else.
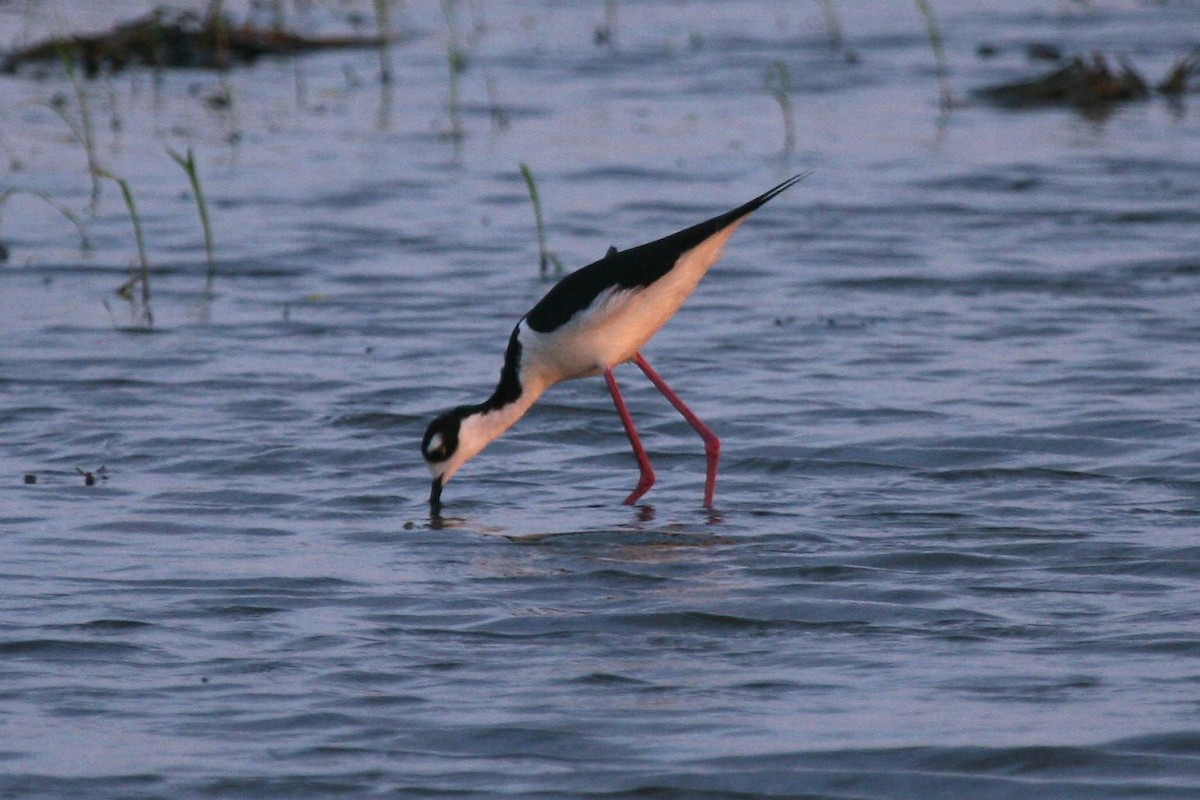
(1092, 81)
(175, 41)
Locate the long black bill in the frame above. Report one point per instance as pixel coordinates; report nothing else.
(435, 496)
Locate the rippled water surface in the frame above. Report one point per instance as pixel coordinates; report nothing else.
(956, 548)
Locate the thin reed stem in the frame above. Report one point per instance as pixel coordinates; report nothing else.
(456, 59)
(144, 277)
(85, 243)
(945, 97)
(188, 164)
(779, 83)
(85, 130)
(384, 26)
(545, 257)
(833, 24)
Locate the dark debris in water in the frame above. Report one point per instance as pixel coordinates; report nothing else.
(89, 477)
(1185, 69)
(184, 40)
(1092, 82)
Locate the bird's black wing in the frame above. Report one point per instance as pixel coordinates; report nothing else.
(633, 268)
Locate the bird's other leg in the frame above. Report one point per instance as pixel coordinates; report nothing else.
(647, 472)
(712, 445)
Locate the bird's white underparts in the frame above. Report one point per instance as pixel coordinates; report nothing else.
(592, 320)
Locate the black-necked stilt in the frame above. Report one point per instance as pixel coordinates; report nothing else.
(589, 322)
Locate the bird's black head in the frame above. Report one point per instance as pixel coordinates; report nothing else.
(441, 438)
(440, 447)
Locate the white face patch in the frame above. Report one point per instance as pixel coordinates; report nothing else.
(435, 450)
(436, 459)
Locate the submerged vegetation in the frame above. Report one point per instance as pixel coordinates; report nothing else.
(1087, 83)
(212, 39)
(837, 42)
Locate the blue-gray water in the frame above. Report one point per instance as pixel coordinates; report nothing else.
(956, 550)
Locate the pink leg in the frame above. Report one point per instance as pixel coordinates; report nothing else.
(647, 472)
(712, 445)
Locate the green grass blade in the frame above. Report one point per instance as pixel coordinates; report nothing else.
(144, 278)
(545, 257)
(188, 164)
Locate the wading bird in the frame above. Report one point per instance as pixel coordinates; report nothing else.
(592, 320)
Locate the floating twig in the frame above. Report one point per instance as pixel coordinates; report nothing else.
(89, 476)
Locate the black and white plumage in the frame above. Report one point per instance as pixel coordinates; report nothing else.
(588, 323)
